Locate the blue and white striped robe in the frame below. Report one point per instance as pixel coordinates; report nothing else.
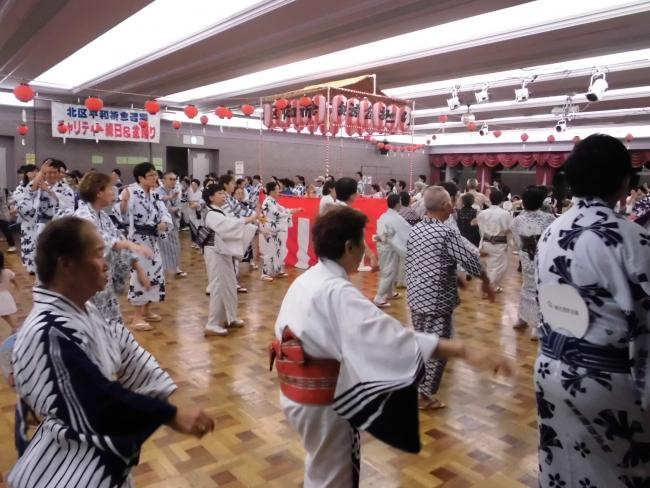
(99, 396)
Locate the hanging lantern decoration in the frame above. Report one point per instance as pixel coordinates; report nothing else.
(62, 128)
(281, 103)
(550, 139)
(524, 137)
(229, 113)
(22, 130)
(248, 110)
(191, 111)
(305, 101)
(152, 106)
(24, 92)
(176, 124)
(471, 126)
(629, 138)
(443, 119)
(373, 140)
(94, 104)
(221, 112)
(575, 140)
(380, 145)
(388, 147)
(204, 121)
(496, 133)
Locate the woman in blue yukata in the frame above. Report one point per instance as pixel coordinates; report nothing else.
(591, 375)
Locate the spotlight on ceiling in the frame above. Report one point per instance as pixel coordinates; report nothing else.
(521, 94)
(454, 102)
(484, 131)
(597, 86)
(561, 125)
(483, 95)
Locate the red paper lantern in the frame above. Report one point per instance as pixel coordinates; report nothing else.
(94, 104)
(221, 112)
(380, 145)
(229, 113)
(550, 139)
(304, 101)
(191, 111)
(62, 128)
(247, 110)
(443, 119)
(524, 137)
(281, 103)
(24, 92)
(204, 119)
(373, 140)
(143, 123)
(496, 133)
(176, 124)
(22, 129)
(575, 140)
(388, 147)
(471, 126)
(629, 138)
(152, 106)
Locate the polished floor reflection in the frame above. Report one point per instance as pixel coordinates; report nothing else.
(486, 437)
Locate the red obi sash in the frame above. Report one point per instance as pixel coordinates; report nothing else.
(303, 379)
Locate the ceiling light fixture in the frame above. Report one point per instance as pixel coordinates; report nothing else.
(482, 95)
(454, 102)
(597, 86)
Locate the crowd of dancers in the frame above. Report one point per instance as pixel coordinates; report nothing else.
(344, 365)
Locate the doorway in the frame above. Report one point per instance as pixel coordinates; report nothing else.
(7, 164)
(177, 160)
(201, 162)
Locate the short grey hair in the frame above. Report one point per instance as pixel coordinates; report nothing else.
(419, 185)
(472, 184)
(435, 198)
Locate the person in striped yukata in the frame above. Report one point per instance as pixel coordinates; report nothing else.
(98, 393)
(170, 244)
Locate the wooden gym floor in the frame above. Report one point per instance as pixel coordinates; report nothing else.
(486, 437)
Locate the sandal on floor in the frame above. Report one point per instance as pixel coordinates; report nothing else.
(254, 266)
(241, 289)
(395, 295)
(181, 274)
(141, 325)
(282, 275)
(383, 304)
(430, 404)
(266, 278)
(154, 317)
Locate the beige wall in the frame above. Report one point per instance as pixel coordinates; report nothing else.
(278, 154)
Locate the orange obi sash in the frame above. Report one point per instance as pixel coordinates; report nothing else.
(303, 379)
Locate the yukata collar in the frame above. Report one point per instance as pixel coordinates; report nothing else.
(44, 296)
(334, 268)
